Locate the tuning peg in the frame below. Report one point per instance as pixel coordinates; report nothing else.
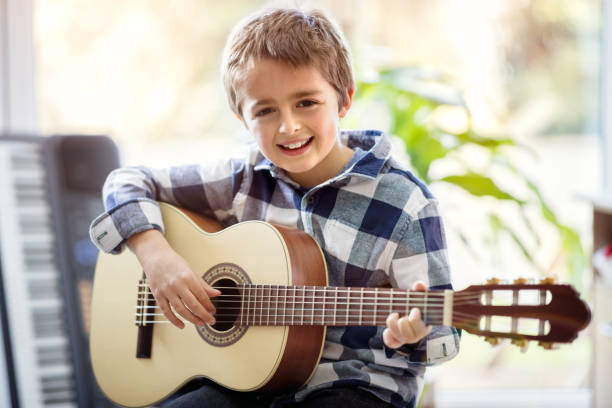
(520, 343)
(547, 345)
(549, 280)
(520, 281)
(493, 281)
(494, 341)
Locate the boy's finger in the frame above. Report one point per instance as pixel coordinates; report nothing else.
(212, 292)
(390, 340)
(407, 332)
(196, 308)
(417, 323)
(167, 311)
(202, 294)
(392, 323)
(179, 307)
(419, 286)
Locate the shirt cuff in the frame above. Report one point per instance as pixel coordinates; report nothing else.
(110, 230)
(436, 348)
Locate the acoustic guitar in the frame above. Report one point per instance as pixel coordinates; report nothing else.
(273, 311)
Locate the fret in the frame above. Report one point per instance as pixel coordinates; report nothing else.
(375, 305)
(276, 306)
(390, 302)
(361, 308)
(302, 312)
(293, 306)
(324, 308)
(425, 308)
(407, 303)
(251, 313)
(348, 305)
(259, 295)
(313, 305)
(248, 303)
(335, 305)
(241, 306)
(284, 305)
(253, 304)
(269, 300)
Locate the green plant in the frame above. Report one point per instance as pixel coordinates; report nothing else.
(415, 102)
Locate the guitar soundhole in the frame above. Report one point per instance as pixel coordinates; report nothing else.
(228, 278)
(226, 305)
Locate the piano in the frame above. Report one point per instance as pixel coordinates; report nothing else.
(50, 190)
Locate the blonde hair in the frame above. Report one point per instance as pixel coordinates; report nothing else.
(294, 37)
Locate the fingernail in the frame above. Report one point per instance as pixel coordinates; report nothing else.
(212, 322)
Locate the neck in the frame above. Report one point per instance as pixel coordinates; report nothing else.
(273, 305)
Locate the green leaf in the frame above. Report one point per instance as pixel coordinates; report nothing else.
(480, 186)
(470, 136)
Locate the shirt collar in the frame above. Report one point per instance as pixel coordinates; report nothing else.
(372, 150)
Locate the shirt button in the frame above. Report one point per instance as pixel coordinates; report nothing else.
(311, 200)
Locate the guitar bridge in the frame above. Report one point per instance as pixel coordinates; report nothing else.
(144, 319)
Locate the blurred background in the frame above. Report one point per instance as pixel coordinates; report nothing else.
(497, 105)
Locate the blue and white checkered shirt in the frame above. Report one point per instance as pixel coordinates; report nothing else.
(377, 224)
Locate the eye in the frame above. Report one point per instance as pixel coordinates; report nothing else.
(263, 112)
(306, 103)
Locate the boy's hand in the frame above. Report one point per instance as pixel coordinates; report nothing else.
(409, 329)
(172, 281)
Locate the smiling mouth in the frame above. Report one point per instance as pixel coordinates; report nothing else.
(296, 145)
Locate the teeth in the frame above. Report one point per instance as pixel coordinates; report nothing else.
(295, 145)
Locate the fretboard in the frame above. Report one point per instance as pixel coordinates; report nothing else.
(273, 305)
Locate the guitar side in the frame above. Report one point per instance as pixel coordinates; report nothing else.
(264, 358)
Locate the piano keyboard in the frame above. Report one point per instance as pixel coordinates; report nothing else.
(38, 332)
(41, 368)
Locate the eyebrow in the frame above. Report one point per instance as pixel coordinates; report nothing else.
(297, 95)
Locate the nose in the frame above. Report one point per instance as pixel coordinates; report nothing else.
(289, 123)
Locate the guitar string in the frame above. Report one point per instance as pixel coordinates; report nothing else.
(456, 314)
(327, 289)
(306, 317)
(365, 302)
(307, 321)
(435, 320)
(395, 296)
(308, 302)
(310, 288)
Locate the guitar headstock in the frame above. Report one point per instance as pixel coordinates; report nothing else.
(545, 312)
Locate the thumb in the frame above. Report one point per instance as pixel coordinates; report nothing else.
(419, 286)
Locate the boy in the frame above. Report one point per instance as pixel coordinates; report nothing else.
(289, 80)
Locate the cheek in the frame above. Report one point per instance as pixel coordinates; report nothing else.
(262, 135)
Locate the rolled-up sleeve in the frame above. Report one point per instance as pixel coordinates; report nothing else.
(421, 255)
(131, 196)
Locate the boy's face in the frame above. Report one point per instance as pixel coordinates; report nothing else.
(293, 115)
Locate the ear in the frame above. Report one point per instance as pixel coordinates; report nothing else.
(348, 101)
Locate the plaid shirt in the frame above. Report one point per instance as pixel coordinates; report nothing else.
(377, 224)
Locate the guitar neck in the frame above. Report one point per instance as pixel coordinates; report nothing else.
(274, 305)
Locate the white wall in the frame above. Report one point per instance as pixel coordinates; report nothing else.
(606, 94)
(17, 97)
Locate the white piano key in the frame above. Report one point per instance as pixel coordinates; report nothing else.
(37, 325)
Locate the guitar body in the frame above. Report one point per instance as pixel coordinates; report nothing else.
(252, 358)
